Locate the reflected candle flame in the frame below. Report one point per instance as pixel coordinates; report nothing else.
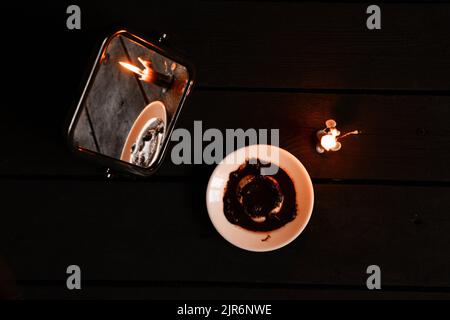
(148, 74)
(144, 74)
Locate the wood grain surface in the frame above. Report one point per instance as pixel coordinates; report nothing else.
(156, 227)
(289, 65)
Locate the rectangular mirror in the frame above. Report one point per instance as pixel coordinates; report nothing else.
(130, 104)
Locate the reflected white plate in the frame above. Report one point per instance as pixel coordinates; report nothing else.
(251, 240)
(155, 109)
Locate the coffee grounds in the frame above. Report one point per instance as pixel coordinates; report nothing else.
(258, 202)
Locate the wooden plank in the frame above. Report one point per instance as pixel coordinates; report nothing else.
(161, 232)
(414, 56)
(283, 45)
(185, 291)
(403, 137)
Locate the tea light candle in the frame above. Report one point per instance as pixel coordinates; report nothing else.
(328, 137)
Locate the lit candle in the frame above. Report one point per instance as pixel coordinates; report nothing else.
(148, 74)
(328, 137)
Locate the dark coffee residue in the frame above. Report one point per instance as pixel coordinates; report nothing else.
(259, 202)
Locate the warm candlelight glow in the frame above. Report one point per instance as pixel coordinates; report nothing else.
(328, 142)
(145, 74)
(328, 138)
(148, 74)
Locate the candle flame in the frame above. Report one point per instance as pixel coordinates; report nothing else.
(330, 137)
(328, 142)
(145, 74)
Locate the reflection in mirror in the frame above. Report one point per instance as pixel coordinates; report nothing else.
(130, 103)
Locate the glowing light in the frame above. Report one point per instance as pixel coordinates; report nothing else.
(145, 74)
(328, 142)
(328, 139)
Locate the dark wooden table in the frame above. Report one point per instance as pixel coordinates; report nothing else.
(383, 199)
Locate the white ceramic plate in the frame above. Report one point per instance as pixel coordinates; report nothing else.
(155, 109)
(251, 240)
